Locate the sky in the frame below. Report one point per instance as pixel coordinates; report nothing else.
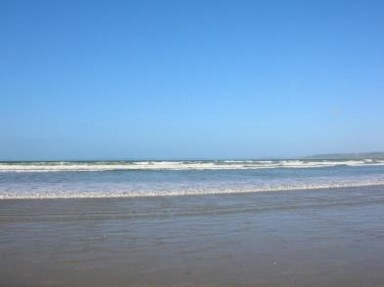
(183, 79)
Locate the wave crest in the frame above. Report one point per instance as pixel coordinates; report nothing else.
(178, 165)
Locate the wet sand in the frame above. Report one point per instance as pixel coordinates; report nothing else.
(293, 238)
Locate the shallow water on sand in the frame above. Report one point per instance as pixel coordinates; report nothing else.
(331, 237)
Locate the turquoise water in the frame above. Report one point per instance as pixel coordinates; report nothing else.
(166, 178)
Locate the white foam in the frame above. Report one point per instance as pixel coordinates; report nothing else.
(179, 165)
(128, 191)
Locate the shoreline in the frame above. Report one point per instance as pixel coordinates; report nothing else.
(287, 188)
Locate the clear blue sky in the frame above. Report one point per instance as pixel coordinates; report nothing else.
(190, 79)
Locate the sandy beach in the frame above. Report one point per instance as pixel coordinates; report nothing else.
(293, 238)
(191, 143)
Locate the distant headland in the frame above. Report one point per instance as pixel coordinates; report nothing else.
(370, 155)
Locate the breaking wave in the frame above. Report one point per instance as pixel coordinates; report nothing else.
(178, 165)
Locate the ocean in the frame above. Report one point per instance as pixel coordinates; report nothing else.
(99, 179)
(192, 223)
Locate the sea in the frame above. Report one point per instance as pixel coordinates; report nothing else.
(280, 223)
(105, 179)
